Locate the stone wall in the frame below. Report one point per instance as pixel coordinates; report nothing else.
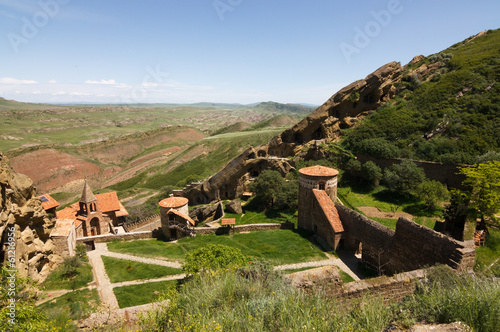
(121, 237)
(242, 228)
(390, 289)
(415, 246)
(446, 174)
(410, 247)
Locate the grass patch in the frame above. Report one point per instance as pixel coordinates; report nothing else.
(129, 296)
(387, 222)
(488, 256)
(119, 270)
(277, 246)
(345, 277)
(288, 271)
(71, 306)
(57, 280)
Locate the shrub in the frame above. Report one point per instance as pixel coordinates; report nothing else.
(213, 257)
(372, 173)
(379, 147)
(432, 192)
(404, 178)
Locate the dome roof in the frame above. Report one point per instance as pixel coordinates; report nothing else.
(174, 202)
(319, 171)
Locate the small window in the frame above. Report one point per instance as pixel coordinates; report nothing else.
(315, 228)
(321, 186)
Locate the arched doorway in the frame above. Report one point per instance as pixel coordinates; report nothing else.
(95, 227)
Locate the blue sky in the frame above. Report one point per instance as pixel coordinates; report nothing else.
(241, 51)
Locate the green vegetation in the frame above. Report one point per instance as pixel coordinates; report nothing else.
(257, 299)
(255, 217)
(487, 256)
(271, 190)
(450, 117)
(70, 307)
(119, 270)
(213, 257)
(484, 196)
(74, 273)
(277, 246)
(129, 296)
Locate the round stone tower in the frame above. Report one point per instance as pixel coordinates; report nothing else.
(177, 203)
(314, 177)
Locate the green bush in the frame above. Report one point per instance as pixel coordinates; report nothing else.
(372, 173)
(404, 178)
(213, 257)
(432, 192)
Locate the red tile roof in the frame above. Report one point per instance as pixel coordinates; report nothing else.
(63, 227)
(108, 202)
(66, 213)
(182, 215)
(174, 202)
(229, 221)
(122, 212)
(319, 171)
(49, 203)
(329, 209)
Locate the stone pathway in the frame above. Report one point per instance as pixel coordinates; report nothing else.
(332, 261)
(104, 288)
(154, 261)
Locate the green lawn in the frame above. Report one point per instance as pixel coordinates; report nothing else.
(71, 306)
(119, 270)
(56, 280)
(277, 246)
(129, 296)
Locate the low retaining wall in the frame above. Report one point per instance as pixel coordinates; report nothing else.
(142, 222)
(242, 228)
(390, 289)
(112, 237)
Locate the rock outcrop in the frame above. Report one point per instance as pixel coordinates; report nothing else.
(21, 211)
(232, 181)
(341, 111)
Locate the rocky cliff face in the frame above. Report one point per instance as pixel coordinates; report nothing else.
(342, 110)
(22, 214)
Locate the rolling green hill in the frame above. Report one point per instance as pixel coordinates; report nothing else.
(447, 108)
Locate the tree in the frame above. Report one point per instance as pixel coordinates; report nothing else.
(213, 257)
(484, 193)
(372, 173)
(432, 192)
(404, 177)
(267, 187)
(288, 197)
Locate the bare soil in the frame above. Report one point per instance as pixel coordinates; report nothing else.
(373, 212)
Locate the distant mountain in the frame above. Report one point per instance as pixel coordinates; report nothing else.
(274, 107)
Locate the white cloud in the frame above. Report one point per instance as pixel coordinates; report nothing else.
(52, 81)
(105, 82)
(15, 81)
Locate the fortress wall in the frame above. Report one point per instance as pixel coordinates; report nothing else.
(446, 174)
(410, 247)
(415, 246)
(361, 228)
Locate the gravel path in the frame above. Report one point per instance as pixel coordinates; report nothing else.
(141, 259)
(146, 281)
(332, 261)
(104, 287)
